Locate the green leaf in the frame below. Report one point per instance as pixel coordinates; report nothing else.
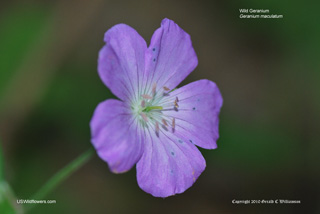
(8, 203)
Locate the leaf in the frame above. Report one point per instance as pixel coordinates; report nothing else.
(8, 202)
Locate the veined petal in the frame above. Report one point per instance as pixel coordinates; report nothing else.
(121, 61)
(115, 135)
(197, 118)
(168, 165)
(170, 56)
(155, 127)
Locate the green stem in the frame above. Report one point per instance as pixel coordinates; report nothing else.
(60, 176)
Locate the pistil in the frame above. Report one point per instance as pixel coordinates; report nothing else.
(149, 108)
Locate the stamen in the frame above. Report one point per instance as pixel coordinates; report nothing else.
(154, 87)
(173, 123)
(146, 96)
(143, 103)
(157, 127)
(152, 109)
(166, 88)
(176, 104)
(144, 116)
(164, 122)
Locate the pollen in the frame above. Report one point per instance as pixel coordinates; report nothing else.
(176, 104)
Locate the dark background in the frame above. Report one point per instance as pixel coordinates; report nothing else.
(267, 71)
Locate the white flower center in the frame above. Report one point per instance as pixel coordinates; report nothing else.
(149, 109)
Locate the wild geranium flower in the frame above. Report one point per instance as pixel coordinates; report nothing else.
(154, 125)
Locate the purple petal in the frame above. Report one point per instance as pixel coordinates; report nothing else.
(115, 135)
(121, 61)
(168, 165)
(170, 57)
(197, 118)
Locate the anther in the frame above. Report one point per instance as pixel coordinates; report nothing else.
(164, 122)
(146, 96)
(173, 123)
(154, 87)
(176, 104)
(157, 127)
(166, 88)
(143, 103)
(144, 116)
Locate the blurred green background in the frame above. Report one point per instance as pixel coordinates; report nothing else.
(267, 71)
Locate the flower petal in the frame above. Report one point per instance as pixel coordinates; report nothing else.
(197, 117)
(121, 61)
(170, 57)
(168, 165)
(115, 135)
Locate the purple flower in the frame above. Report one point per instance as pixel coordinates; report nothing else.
(153, 125)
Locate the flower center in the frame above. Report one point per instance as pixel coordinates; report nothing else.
(150, 109)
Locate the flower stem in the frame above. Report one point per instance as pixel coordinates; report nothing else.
(60, 176)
